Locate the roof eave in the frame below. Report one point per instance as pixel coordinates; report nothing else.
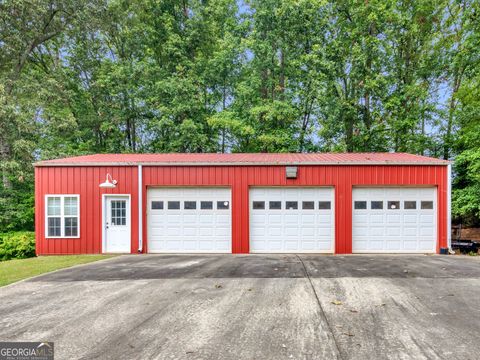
(266, 163)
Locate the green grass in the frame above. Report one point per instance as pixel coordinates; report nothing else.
(15, 270)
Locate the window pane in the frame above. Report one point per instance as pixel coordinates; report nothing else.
(427, 205)
(71, 226)
(259, 205)
(376, 205)
(360, 205)
(291, 205)
(190, 205)
(118, 212)
(409, 205)
(53, 207)
(54, 226)
(308, 205)
(174, 205)
(70, 206)
(393, 205)
(206, 205)
(157, 205)
(223, 205)
(324, 205)
(275, 205)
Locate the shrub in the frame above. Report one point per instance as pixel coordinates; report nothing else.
(17, 245)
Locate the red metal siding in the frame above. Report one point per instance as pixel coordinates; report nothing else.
(85, 181)
(343, 178)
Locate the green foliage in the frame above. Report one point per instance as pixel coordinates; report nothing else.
(79, 77)
(17, 245)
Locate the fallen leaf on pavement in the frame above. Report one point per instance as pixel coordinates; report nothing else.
(337, 302)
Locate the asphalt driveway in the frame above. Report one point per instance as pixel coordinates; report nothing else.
(252, 307)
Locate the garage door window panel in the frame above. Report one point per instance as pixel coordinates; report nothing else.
(275, 205)
(410, 205)
(291, 205)
(157, 205)
(324, 205)
(223, 205)
(206, 205)
(376, 205)
(393, 205)
(174, 205)
(258, 205)
(426, 205)
(360, 205)
(308, 205)
(190, 205)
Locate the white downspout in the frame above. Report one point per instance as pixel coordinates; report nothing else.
(140, 209)
(449, 207)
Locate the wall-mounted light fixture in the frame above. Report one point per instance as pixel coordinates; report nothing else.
(291, 172)
(109, 184)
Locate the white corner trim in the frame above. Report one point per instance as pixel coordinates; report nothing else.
(140, 208)
(449, 206)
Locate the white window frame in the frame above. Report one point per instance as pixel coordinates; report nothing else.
(62, 215)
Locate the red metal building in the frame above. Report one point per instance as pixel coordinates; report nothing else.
(242, 203)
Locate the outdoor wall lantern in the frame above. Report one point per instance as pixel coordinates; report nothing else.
(291, 172)
(109, 184)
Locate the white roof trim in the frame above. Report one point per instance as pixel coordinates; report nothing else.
(260, 163)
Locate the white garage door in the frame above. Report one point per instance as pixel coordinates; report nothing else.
(290, 220)
(394, 220)
(189, 220)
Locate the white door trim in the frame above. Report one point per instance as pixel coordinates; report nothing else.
(104, 213)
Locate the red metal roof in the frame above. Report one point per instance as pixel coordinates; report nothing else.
(192, 159)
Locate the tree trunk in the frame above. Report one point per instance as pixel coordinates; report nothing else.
(4, 157)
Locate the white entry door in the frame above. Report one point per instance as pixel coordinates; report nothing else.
(189, 220)
(394, 220)
(290, 220)
(117, 224)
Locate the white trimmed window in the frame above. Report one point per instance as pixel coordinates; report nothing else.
(62, 216)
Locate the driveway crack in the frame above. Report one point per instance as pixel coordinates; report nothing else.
(323, 316)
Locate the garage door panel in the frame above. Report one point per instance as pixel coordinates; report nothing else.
(393, 219)
(393, 231)
(410, 231)
(360, 231)
(393, 245)
(274, 219)
(305, 231)
(427, 231)
(376, 231)
(291, 220)
(376, 219)
(426, 219)
(406, 227)
(188, 227)
(410, 219)
(274, 231)
(325, 220)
